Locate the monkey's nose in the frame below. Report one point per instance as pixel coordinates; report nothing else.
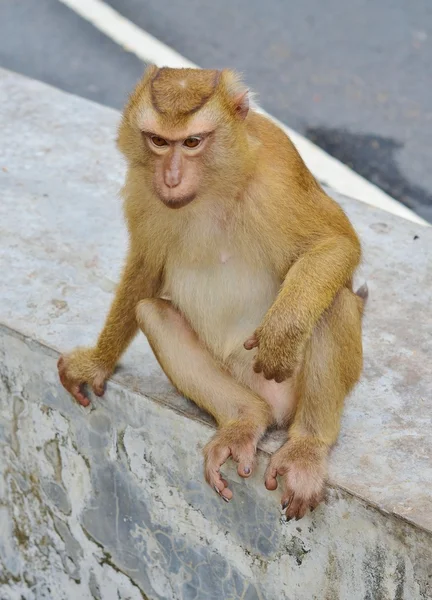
(172, 178)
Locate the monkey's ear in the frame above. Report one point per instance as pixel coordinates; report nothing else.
(237, 92)
(241, 104)
(149, 72)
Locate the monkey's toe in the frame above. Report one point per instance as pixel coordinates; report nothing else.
(219, 484)
(215, 457)
(222, 489)
(271, 478)
(296, 507)
(244, 455)
(301, 465)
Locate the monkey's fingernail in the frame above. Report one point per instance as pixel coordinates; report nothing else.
(289, 519)
(247, 470)
(226, 499)
(312, 508)
(216, 490)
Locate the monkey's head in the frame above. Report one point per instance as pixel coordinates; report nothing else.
(186, 128)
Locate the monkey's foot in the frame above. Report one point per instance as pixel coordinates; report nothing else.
(79, 368)
(302, 466)
(238, 440)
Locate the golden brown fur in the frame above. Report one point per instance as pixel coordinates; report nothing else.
(244, 292)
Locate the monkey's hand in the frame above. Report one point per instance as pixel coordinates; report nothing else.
(279, 348)
(80, 367)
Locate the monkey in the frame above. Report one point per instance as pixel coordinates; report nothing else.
(239, 271)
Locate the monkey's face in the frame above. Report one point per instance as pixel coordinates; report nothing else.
(185, 127)
(178, 164)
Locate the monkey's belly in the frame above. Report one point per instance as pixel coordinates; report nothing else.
(223, 303)
(280, 396)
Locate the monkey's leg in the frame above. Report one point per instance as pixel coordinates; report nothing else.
(242, 416)
(331, 366)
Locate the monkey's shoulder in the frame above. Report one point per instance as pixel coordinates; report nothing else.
(283, 181)
(271, 137)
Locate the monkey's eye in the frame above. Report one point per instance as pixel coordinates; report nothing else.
(192, 142)
(158, 141)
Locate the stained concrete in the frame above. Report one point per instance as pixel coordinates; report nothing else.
(110, 502)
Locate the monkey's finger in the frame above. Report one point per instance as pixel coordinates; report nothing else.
(73, 388)
(288, 373)
(251, 343)
(277, 375)
(63, 379)
(269, 375)
(62, 372)
(99, 385)
(258, 367)
(79, 396)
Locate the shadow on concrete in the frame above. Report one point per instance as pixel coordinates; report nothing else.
(374, 158)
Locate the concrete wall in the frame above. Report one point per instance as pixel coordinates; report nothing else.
(109, 502)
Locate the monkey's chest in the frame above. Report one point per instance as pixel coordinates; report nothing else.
(224, 301)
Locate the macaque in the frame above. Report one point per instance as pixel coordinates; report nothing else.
(239, 272)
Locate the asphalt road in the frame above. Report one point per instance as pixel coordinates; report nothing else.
(354, 77)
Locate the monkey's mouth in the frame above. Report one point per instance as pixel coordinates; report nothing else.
(178, 202)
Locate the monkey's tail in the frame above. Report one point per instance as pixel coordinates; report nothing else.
(363, 292)
(363, 295)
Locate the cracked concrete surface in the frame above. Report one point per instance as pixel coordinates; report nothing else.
(110, 502)
(139, 521)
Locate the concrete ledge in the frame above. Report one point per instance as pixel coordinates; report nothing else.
(110, 502)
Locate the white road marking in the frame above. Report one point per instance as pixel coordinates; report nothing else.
(326, 169)
(128, 35)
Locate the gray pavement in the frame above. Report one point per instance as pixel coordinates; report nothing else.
(45, 40)
(353, 77)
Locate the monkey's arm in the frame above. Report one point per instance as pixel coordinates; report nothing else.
(93, 366)
(121, 324)
(309, 288)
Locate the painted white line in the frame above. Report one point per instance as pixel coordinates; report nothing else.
(326, 169)
(128, 35)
